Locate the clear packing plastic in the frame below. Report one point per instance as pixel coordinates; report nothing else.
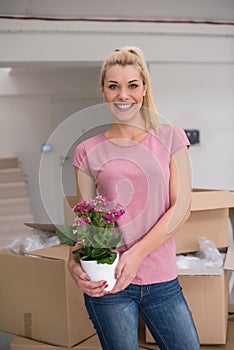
(34, 240)
(208, 256)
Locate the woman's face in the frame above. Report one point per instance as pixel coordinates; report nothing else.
(124, 91)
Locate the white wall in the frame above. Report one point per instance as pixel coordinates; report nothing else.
(201, 96)
(25, 125)
(32, 105)
(192, 71)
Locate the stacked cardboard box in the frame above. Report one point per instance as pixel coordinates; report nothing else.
(206, 290)
(40, 300)
(20, 343)
(92, 343)
(228, 346)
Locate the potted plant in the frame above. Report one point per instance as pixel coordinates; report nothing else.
(94, 228)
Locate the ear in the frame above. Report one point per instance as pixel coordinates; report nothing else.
(145, 89)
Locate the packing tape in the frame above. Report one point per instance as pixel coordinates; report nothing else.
(28, 324)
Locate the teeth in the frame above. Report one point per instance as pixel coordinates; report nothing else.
(121, 106)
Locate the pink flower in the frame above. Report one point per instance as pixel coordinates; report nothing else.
(79, 221)
(94, 226)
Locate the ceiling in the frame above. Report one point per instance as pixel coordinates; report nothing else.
(190, 10)
(212, 11)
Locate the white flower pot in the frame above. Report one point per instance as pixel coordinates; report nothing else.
(98, 272)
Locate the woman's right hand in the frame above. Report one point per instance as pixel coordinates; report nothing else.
(82, 280)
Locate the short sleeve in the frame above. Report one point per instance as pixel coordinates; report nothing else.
(179, 139)
(80, 159)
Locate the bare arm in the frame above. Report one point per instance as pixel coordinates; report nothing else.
(166, 227)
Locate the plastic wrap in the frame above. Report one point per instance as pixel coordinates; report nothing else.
(34, 240)
(208, 256)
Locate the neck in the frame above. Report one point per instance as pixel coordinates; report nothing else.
(126, 131)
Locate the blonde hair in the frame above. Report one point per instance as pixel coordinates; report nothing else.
(131, 55)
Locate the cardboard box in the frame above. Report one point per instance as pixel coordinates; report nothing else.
(20, 343)
(228, 346)
(209, 217)
(207, 294)
(40, 300)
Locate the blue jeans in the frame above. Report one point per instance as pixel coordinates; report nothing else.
(162, 307)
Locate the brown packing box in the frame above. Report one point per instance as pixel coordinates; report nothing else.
(92, 343)
(20, 343)
(39, 299)
(228, 346)
(207, 294)
(210, 211)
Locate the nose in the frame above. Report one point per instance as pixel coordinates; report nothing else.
(123, 94)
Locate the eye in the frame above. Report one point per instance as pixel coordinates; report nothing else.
(113, 86)
(133, 86)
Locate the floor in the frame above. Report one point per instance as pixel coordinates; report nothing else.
(5, 340)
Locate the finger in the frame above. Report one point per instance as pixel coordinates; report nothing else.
(83, 275)
(80, 273)
(121, 284)
(95, 289)
(76, 247)
(118, 270)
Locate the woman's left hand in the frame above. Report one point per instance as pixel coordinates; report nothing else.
(126, 270)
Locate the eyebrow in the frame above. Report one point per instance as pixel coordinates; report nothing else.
(116, 82)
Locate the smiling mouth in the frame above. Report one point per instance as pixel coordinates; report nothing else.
(123, 107)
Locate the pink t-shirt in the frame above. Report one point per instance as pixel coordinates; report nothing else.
(137, 176)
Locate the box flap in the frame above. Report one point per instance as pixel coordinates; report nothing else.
(42, 227)
(206, 200)
(60, 252)
(229, 262)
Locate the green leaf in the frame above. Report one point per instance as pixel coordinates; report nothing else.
(99, 252)
(66, 236)
(108, 260)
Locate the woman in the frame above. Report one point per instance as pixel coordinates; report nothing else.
(143, 164)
